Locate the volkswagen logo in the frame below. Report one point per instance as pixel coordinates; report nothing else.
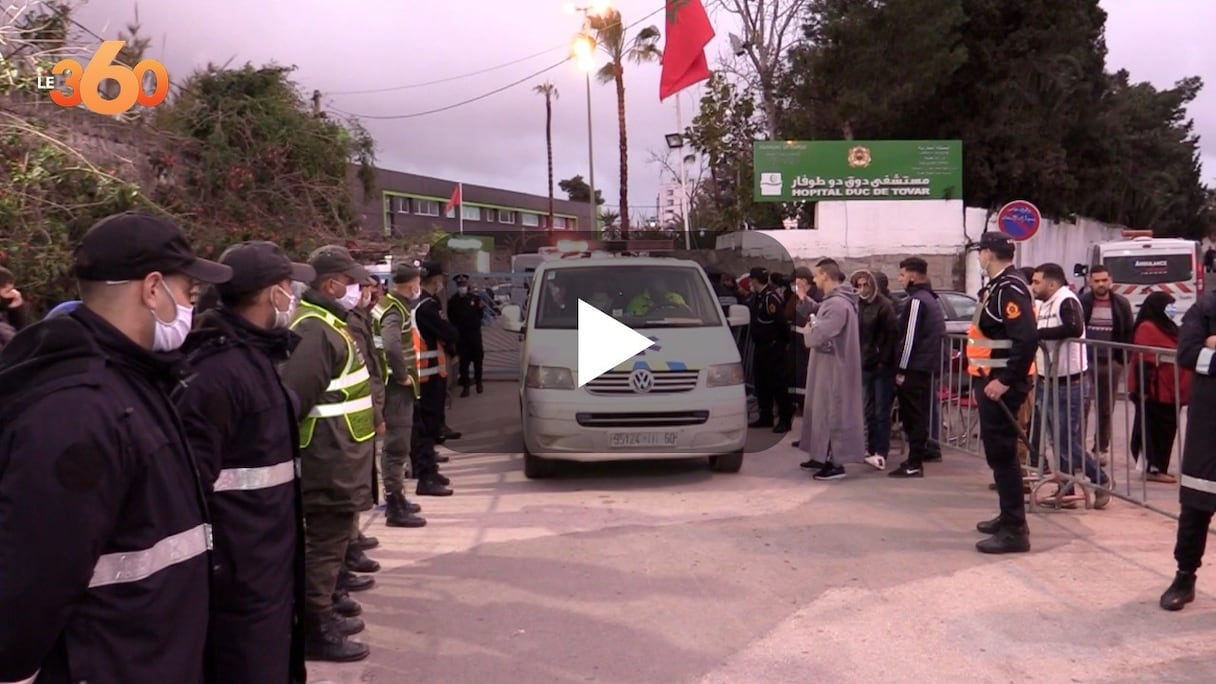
(641, 380)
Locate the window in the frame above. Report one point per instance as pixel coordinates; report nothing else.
(470, 213)
(559, 222)
(403, 205)
(426, 207)
(962, 306)
(1150, 268)
(505, 216)
(640, 297)
(530, 220)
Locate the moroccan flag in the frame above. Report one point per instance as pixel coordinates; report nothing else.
(455, 201)
(688, 32)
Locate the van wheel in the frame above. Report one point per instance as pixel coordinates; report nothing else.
(726, 463)
(537, 468)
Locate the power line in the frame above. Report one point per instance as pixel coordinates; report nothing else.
(394, 117)
(486, 70)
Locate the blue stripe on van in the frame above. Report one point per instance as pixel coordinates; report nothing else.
(676, 366)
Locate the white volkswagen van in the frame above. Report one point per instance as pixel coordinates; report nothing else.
(681, 398)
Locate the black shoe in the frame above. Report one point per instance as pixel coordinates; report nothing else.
(796, 443)
(346, 606)
(366, 543)
(811, 464)
(989, 526)
(1006, 540)
(349, 625)
(464, 391)
(480, 388)
(442, 458)
(1180, 593)
(351, 582)
(323, 641)
(762, 423)
(830, 471)
(905, 470)
(432, 486)
(357, 560)
(443, 479)
(782, 427)
(449, 433)
(398, 514)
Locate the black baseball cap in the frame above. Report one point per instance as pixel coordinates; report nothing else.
(431, 268)
(130, 245)
(332, 259)
(996, 240)
(461, 278)
(257, 265)
(758, 274)
(407, 271)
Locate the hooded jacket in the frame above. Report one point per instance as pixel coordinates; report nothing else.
(922, 324)
(238, 415)
(103, 534)
(878, 327)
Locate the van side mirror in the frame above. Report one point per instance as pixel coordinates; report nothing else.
(512, 318)
(738, 316)
(1080, 270)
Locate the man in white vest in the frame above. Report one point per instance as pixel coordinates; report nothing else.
(1061, 367)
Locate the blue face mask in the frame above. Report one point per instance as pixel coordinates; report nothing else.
(1171, 310)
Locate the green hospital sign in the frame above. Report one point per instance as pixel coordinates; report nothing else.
(807, 171)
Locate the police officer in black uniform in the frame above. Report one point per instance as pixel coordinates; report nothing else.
(436, 332)
(1005, 327)
(241, 423)
(770, 343)
(104, 531)
(465, 309)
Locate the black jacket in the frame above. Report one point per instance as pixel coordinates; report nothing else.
(433, 324)
(93, 462)
(237, 414)
(1007, 313)
(922, 324)
(879, 332)
(1198, 459)
(465, 312)
(1123, 322)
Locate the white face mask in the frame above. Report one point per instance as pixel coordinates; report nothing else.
(282, 318)
(171, 336)
(462, 290)
(354, 294)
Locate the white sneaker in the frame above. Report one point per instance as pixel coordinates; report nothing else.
(878, 462)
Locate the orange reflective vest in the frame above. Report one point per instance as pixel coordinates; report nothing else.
(430, 361)
(979, 348)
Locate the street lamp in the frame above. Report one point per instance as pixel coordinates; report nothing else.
(675, 141)
(583, 51)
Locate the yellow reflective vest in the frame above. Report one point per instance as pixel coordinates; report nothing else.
(411, 341)
(348, 396)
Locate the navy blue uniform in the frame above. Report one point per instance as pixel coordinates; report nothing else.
(770, 361)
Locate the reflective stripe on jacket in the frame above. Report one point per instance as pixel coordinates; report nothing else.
(348, 396)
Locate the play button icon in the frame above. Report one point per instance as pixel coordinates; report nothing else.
(604, 342)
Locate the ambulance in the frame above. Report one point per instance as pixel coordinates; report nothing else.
(683, 397)
(1141, 264)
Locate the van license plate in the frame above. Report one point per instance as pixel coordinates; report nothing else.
(626, 440)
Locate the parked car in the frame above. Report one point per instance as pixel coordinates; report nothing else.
(958, 308)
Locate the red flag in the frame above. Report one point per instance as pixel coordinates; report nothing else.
(455, 201)
(688, 32)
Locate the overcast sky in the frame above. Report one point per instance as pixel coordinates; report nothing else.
(500, 140)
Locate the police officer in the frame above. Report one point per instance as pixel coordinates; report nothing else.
(397, 345)
(436, 336)
(337, 423)
(360, 322)
(770, 339)
(96, 476)
(1001, 348)
(466, 309)
(242, 428)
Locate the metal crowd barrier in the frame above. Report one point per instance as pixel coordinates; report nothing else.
(1127, 437)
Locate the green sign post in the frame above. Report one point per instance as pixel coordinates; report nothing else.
(807, 171)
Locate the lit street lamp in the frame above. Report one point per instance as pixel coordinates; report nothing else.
(583, 50)
(675, 141)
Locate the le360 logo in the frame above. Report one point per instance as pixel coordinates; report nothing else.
(83, 84)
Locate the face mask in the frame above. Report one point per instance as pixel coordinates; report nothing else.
(354, 294)
(282, 318)
(462, 290)
(170, 336)
(1171, 310)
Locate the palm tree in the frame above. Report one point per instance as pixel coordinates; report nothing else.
(549, 91)
(643, 47)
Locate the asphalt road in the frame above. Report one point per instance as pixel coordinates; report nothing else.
(664, 572)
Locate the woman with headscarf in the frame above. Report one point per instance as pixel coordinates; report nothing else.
(1151, 385)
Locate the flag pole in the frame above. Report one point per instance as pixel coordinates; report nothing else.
(460, 205)
(683, 176)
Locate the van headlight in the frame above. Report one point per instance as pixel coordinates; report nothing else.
(724, 374)
(549, 377)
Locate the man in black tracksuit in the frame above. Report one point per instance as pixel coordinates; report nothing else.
(918, 355)
(241, 424)
(97, 481)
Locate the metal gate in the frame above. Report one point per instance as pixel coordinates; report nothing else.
(502, 348)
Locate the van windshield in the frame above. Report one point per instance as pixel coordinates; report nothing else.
(1150, 269)
(637, 296)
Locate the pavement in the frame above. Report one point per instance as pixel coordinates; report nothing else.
(664, 572)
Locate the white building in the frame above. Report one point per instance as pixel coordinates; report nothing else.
(668, 204)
